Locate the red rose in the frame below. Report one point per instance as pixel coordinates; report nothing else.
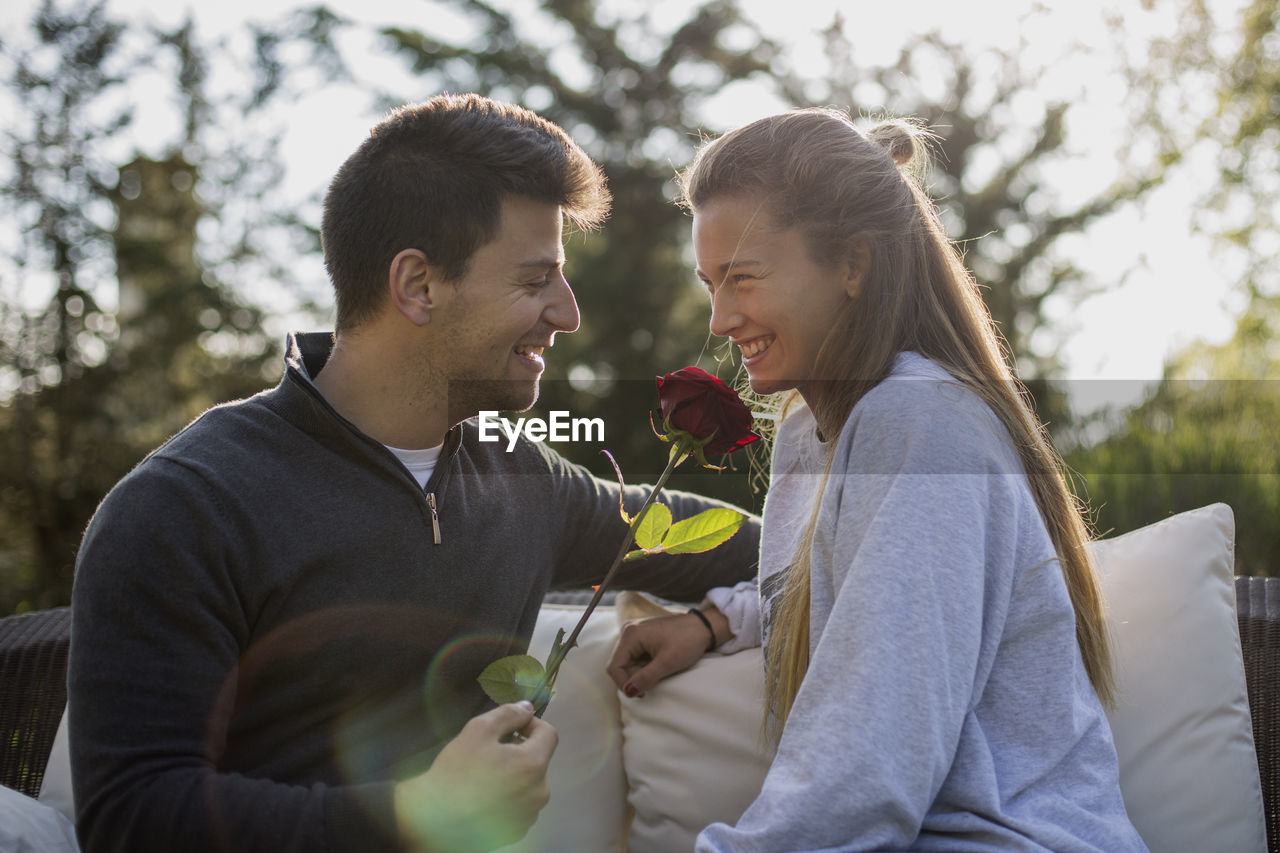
(694, 401)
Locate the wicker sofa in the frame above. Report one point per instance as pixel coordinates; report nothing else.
(33, 656)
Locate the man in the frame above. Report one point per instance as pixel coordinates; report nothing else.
(278, 617)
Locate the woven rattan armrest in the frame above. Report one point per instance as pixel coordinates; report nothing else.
(1258, 611)
(33, 693)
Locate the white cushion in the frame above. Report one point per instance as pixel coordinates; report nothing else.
(693, 748)
(29, 826)
(1188, 770)
(694, 751)
(55, 789)
(588, 808)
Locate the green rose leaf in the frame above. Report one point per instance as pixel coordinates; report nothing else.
(653, 526)
(512, 679)
(703, 532)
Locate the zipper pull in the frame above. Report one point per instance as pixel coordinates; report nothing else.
(435, 517)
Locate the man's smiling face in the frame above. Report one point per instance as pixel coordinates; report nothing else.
(508, 308)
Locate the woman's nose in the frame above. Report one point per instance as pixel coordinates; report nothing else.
(725, 316)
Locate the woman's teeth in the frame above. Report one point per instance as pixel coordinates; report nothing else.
(753, 348)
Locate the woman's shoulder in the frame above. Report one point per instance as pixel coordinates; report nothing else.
(922, 412)
(795, 439)
(916, 390)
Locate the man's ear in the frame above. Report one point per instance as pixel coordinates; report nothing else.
(858, 266)
(414, 285)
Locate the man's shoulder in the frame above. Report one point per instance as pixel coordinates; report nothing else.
(222, 429)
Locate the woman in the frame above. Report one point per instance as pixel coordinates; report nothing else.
(936, 662)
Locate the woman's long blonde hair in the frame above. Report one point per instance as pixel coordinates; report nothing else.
(813, 169)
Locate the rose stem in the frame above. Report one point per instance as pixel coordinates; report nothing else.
(678, 453)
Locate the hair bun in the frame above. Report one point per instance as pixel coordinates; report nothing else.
(903, 141)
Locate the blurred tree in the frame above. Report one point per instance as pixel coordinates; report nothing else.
(1206, 93)
(113, 331)
(1208, 89)
(627, 93)
(1199, 438)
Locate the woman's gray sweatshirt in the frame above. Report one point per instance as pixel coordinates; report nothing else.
(946, 705)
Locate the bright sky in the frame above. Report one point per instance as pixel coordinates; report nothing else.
(1180, 290)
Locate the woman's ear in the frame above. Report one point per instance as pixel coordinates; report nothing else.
(858, 267)
(414, 286)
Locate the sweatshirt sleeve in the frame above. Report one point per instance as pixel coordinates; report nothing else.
(157, 634)
(741, 606)
(903, 538)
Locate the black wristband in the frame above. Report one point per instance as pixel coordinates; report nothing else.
(711, 647)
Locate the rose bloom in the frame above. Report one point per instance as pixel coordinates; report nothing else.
(693, 401)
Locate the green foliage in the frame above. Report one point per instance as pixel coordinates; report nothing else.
(513, 679)
(1207, 432)
(1219, 91)
(1197, 440)
(138, 333)
(653, 526)
(702, 532)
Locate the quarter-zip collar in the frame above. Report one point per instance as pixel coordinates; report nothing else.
(305, 356)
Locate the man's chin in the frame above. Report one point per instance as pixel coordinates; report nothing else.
(496, 395)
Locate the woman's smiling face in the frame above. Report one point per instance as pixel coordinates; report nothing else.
(768, 295)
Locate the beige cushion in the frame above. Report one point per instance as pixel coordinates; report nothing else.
(1188, 770)
(588, 808)
(693, 748)
(694, 751)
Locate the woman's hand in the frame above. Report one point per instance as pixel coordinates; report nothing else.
(649, 650)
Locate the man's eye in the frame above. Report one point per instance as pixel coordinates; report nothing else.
(540, 283)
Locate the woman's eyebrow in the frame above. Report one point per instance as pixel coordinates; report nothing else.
(728, 265)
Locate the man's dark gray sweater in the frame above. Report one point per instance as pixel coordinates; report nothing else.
(266, 631)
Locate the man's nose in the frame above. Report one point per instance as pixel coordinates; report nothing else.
(562, 309)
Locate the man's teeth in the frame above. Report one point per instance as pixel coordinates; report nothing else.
(754, 348)
(530, 351)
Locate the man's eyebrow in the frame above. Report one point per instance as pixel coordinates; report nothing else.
(728, 265)
(542, 263)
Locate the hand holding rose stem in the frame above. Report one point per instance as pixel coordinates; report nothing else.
(701, 415)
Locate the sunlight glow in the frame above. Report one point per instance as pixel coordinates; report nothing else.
(1150, 263)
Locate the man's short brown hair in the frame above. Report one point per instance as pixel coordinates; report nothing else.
(432, 176)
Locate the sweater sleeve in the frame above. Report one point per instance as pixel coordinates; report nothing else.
(904, 534)
(157, 634)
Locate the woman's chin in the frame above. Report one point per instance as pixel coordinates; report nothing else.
(765, 385)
